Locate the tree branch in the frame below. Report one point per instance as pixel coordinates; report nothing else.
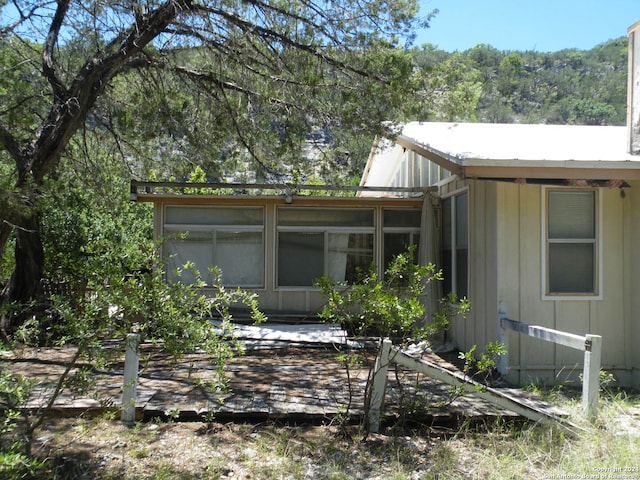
(253, 29)
(71, 107)
(23, 18)
(48, 57)
(10, 143)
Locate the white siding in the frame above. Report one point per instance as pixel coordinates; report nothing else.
(520, 260)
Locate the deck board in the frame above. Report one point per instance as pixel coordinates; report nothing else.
(276, 378)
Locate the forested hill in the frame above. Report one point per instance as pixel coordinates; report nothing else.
(484, 84)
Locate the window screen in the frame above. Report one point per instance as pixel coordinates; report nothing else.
(571, 242)
(401, 230)
(300, 258)
(313, 242)
(230, 238)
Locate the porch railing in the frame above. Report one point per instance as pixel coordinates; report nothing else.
(389, 354)
(591, 345)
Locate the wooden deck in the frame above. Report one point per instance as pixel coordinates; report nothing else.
(277, 378)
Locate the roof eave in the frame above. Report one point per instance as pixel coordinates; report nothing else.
(555, 170)
(470, 167)
(450, 162)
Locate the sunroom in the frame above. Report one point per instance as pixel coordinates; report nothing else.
(279, 244)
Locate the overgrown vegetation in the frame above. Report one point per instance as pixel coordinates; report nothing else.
(175, 315)
(101, 449)
(393, 308)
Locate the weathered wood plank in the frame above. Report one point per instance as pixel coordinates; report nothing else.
(543, 333)
(389, 353)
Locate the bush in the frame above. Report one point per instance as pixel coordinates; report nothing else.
(174, 315)
(391, 306)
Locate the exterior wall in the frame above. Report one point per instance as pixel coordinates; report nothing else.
(506, 255)
(479, 326)
(520, 259)
(506, 267)
(631, 279)
(506, 258)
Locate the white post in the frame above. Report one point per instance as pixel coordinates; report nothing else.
(503, 334)
(591, 376)
(130, 382)
(378, 385)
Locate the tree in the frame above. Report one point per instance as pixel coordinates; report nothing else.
(450, 87)
(256, 70)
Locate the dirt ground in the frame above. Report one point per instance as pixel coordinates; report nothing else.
(103, 449)
(326, 442)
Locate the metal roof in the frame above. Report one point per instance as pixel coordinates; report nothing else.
(513, 144)
(507, 151)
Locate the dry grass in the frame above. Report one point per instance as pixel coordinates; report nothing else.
(105, 449)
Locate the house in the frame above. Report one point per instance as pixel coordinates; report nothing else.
(542, 221)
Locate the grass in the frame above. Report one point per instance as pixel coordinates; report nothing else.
(603, 450)
(104, 449)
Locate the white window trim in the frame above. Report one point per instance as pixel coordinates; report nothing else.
(598, 295)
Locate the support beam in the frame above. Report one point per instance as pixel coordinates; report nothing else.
(379, 385)
(472, 387)
(130, 381)
(389, 353)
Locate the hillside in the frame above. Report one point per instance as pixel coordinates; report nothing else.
(565, 87)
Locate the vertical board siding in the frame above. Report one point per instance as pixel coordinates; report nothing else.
(572, 317)
(608, 317)
(520, 257)
(484, 262)
(477, 264)
(532, 310)
(491, 263)
(508, 258)
(633, 196)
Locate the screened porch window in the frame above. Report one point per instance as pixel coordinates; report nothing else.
(401, 230)
(230, 238)
(315, 242)
(571, 242)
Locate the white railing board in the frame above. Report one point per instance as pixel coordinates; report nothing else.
(378, 386)
(591, 345)
(591, 376)
(130, 379)
(543, 333)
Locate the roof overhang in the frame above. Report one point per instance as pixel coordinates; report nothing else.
(511, 151)
(195, 192)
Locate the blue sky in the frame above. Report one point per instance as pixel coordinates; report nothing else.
(539, 25)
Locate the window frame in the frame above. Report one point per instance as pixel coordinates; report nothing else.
(326, 231)
(597, 242)
(172, 229)
(414, 233)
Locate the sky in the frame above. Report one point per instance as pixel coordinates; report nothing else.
(523, 25)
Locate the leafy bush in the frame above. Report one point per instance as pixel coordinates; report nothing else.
(174, 315)
(391, 306)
